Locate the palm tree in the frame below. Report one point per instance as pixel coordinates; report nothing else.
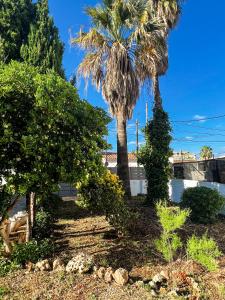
(154, 60)
(206, 153)
(112, 46)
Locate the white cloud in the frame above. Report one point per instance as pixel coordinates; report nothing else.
(199, 118)
(131, 125)
(189, 137)
(132, 143)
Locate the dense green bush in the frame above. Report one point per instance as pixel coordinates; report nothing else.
(205, 203)
(32, 251)
(43, 226)
(105, 194)
(204, 250)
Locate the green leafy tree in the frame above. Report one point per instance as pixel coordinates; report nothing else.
(47, 134)
(154, 156)
(15, 18)
(43, 48)
(112, 46)
(206, 152)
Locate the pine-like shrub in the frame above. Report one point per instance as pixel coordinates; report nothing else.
(171, 219)
(105, 194)
(204, 250)
(205, 203)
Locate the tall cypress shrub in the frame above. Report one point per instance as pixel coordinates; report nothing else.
(154, 156)
(43, 48)
(15, 19)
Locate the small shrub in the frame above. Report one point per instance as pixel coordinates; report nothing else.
(43, 225)
(3, 291)
(205, 203)
(105, 195)
(204, 250)
(7, 266)
(32, 251)
(170, 218)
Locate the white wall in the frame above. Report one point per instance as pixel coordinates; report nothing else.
(176, 187)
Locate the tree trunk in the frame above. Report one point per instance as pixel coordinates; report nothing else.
(32, 209)
(122, 154)
(31, 205)
(156, 91)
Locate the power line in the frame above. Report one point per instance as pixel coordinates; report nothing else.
(198, 120)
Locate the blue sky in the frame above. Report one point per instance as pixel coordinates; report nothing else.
(194, 86)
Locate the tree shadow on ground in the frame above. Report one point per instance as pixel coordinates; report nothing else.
(80, 231)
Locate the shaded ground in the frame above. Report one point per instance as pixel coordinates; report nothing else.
(77, 230)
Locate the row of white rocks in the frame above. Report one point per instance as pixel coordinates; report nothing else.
(82, 263)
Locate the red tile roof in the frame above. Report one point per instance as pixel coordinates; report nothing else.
(112, 156)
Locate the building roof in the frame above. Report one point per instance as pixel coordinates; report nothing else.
(112, 156)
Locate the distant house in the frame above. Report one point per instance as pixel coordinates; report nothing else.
(137, 172)
(211, 170)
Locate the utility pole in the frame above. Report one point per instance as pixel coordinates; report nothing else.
(137, 137)
(146, 111)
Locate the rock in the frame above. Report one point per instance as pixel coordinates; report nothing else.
(153, 285)
(153, 293)
(165, 274)
(139, 283)
(162, 291)
(58, 265)
(158, 278)
(101, 272)
(121, 276)
(81, 263)
(95, 268)
(131, 281)
(30, 266)
(108, 275)
(43, 265)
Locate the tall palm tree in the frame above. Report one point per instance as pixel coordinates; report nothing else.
(154, 61)
(112, 46)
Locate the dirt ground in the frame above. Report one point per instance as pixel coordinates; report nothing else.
(78, 231)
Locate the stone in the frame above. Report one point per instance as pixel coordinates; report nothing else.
(101, 272)
(153, 285)
(139, 283)
(158, 278)
(58, 265)
(165, 274)
(95, 268)
(81, 263)
(153, 293)
(43, 265)
(162, 291)
(30, 266)
(108, 275)
(121, 276)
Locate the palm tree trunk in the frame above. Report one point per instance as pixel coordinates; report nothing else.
(122, 154)
(156, 91)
